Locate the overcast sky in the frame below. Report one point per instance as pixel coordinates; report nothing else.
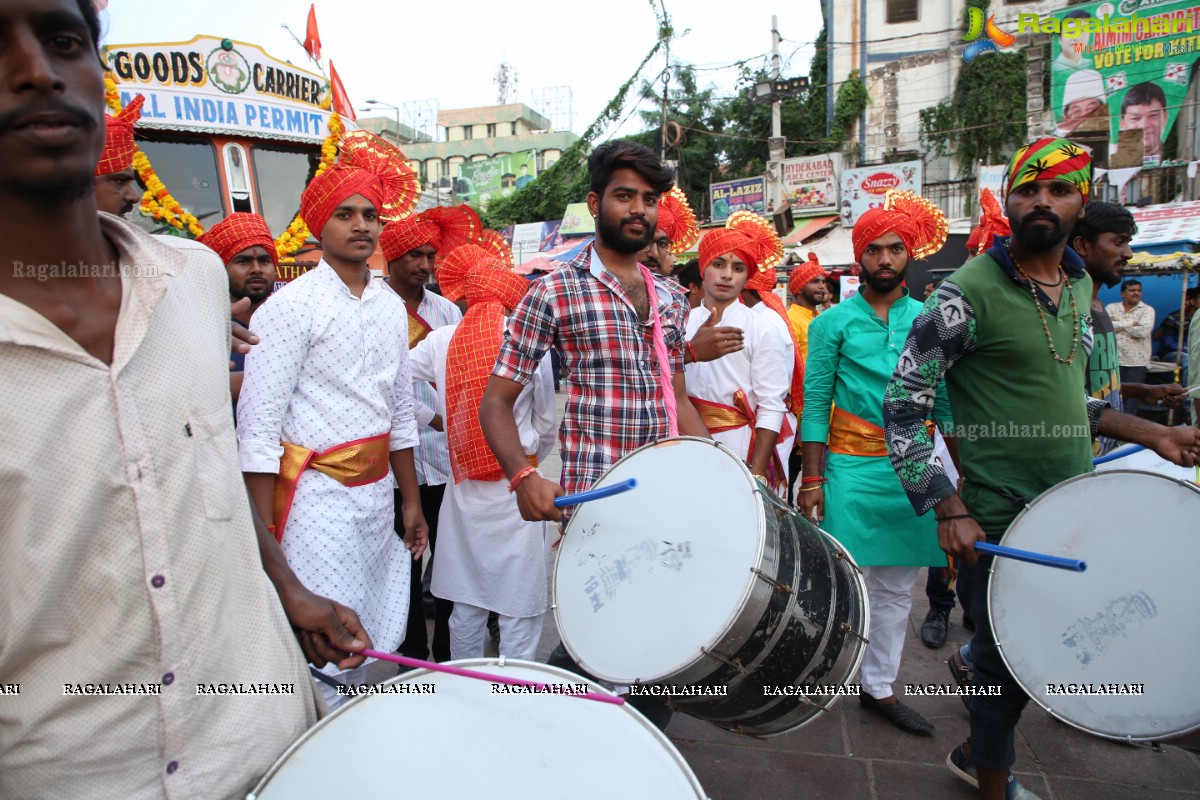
(450, 51)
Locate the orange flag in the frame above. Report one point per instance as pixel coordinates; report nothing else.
(312, 39)
(341, 101)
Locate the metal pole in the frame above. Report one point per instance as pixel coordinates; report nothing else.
(829, 97)
(666, 81)
(776, 119)
(862, 76)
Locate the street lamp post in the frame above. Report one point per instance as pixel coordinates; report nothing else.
(386, 105)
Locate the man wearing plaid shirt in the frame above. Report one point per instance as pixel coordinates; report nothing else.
(607, 316)
(596, 312)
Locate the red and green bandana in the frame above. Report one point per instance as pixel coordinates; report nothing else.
(1050, 160)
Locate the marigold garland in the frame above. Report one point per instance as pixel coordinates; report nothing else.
(297, 233)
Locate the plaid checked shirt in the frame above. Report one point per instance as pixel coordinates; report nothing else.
(615, 403)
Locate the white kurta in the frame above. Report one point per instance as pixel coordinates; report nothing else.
(333, 368)
(762, 369)
(487, 555)
(782, 332)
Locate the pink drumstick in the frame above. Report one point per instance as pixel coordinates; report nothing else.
(482, 676)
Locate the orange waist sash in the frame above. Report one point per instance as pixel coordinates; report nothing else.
(855, 436)
(354, 463)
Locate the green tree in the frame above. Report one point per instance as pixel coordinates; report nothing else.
(984, 120)
(691, 109)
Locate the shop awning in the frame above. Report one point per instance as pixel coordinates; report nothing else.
(835, 249)
(1163, 228)
(806, 227)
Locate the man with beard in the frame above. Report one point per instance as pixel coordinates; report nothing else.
(619, 330)
(244, 243)
(116, 185)
(853, 494)
(327, 407)
(1009, 332)
(410, 247)
(129, 552)
(1102, 239)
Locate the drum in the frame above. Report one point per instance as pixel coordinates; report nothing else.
(702, 580)
(1113, 650)
(483, 744)
(1132, 456)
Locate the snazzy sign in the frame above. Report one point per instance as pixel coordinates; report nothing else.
(864, 188)
(220, 86)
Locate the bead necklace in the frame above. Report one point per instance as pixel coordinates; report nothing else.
(1042, 316)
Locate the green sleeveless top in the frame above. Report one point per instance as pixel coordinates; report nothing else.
(1020, 415)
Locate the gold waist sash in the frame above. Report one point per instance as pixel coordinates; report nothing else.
(855, 436)
(718, 418)
(354, 463)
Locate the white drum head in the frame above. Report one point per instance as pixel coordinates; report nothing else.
(644, 579)
(1129, 456)
(1126, 624)
(468, 743)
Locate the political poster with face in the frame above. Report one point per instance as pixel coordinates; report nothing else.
(1120, 66)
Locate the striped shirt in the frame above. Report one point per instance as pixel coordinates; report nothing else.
(615, 401)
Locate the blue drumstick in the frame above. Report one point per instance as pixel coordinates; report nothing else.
(1030, 557)
(594, 494)
(1120, 454)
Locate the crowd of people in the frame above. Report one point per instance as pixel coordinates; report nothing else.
(166, 546)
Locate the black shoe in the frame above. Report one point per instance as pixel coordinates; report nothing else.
(900, 715)
(933, 631)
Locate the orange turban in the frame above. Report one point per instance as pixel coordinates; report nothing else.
(492, 290)
(919, 223)
(804, 273)
(456, 265)
(676, 220)
(992, 223)
(118, 138)
(443, 228)
(366, 165)
(748, 235)
(238, 232)
(327, 191)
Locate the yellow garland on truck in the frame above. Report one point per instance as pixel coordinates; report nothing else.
(157, 202)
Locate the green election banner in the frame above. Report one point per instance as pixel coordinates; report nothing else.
(479, 182)
(1121, 65)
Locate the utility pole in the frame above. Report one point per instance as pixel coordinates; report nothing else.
(666, 79)
(776, 147)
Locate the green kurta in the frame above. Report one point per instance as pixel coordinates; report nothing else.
(851, 356)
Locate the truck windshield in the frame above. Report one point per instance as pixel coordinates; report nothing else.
(281, 174)
(189, 171)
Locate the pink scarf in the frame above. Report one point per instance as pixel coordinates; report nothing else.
(660, 353)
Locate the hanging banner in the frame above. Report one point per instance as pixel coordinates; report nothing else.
(730, 196)
(211, 85)
(480, 182)
(1120, 66)
(864, 188)
(810, 184)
